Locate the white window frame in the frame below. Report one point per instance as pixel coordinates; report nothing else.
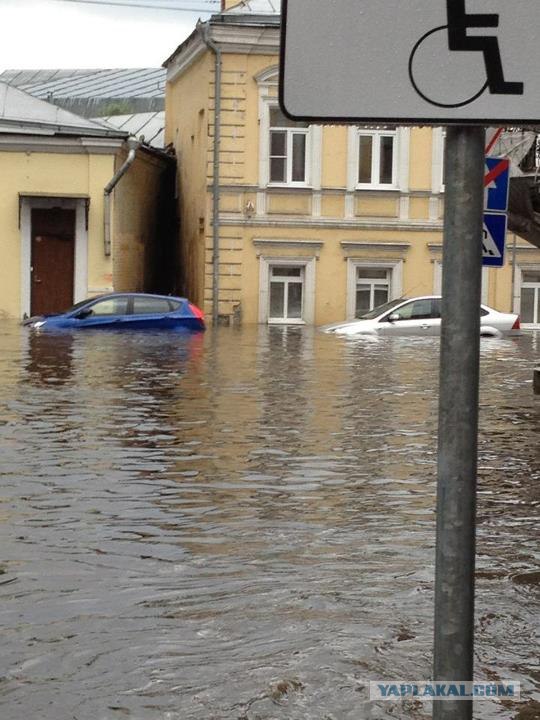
(313, 149)
(376, 135)
(396, 280)
(371, 283)
(286, 280)
(80, 271)
(290, 133)
(308, 300)
(437, 281)
(437, 160)
(521, 269)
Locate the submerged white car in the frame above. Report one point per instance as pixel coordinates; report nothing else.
(420, 316)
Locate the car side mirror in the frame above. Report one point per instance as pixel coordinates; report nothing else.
(82, 314)
(393, 317)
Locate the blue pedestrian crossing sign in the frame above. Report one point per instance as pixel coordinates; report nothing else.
(496, 184)
(494, 239)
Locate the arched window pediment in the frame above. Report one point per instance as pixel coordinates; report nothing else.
(268, 76)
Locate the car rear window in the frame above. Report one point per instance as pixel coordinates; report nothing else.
(150, 305)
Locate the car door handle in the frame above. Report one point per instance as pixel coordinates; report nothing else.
(425, 327)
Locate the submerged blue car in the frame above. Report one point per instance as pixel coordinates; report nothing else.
(137, 311)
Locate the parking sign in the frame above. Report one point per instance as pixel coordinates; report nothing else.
(420, 61)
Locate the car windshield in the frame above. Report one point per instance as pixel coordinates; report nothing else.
(372, 314)
(78, 305)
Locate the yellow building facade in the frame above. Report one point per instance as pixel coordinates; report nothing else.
(54, 168)
(315, 223)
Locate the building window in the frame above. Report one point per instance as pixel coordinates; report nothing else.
(530, 297)
(371, 283)
(288, 150)
(373, 287)
(437, 164)
(377, 159)
(437, 281)
(286, 295)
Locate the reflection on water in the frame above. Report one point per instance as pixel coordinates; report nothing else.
(240, 524)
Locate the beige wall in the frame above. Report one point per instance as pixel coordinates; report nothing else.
(52, 174)
(188, 127)
(136, 225)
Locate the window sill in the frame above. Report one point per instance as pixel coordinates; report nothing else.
(288, 321)
(378, 188)
(289, 186)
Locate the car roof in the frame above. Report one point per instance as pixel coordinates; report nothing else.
(136, 294)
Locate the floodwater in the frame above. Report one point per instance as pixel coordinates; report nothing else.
(239, 525)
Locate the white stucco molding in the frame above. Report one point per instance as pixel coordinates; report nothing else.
(525, 248)
(401, 158)
(246, 39)
(268, 76)
(313, 246)
(232, 219)
(313, 145)
(396, 282)
(69, 145)
(240, 39)
(438, 135)
(80, 277)
(309, 265)
(351, 245)
(195, 47)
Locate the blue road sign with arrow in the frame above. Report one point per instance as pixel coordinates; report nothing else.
(496, 184)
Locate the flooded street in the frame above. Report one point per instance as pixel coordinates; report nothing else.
(240, 525)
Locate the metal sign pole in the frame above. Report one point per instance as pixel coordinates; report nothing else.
(458, 415)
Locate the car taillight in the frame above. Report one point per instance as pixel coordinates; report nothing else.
(516, 325)
(196, 311)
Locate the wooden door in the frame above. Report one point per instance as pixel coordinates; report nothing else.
(53, 260)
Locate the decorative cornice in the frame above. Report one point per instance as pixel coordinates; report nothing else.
(437, 247)
(178, 64)
(241, 39)
(264, 242)
(64, 196)
(231, 220)
(67, 145)
(254, 40)
(325, 190)
(268, 76)
(373, 245)
(289, 190)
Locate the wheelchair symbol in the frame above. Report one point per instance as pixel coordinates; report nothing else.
(453, 37)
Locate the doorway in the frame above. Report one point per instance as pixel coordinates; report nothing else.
(52, 260)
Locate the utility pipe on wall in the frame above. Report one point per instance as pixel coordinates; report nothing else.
(203, 29)
(132, 145)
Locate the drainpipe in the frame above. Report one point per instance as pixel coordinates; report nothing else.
(132, 145)
(204, 30)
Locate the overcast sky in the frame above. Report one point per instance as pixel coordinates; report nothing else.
(59, 34)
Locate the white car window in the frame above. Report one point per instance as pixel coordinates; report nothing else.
(110, 306)
(415, 310)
